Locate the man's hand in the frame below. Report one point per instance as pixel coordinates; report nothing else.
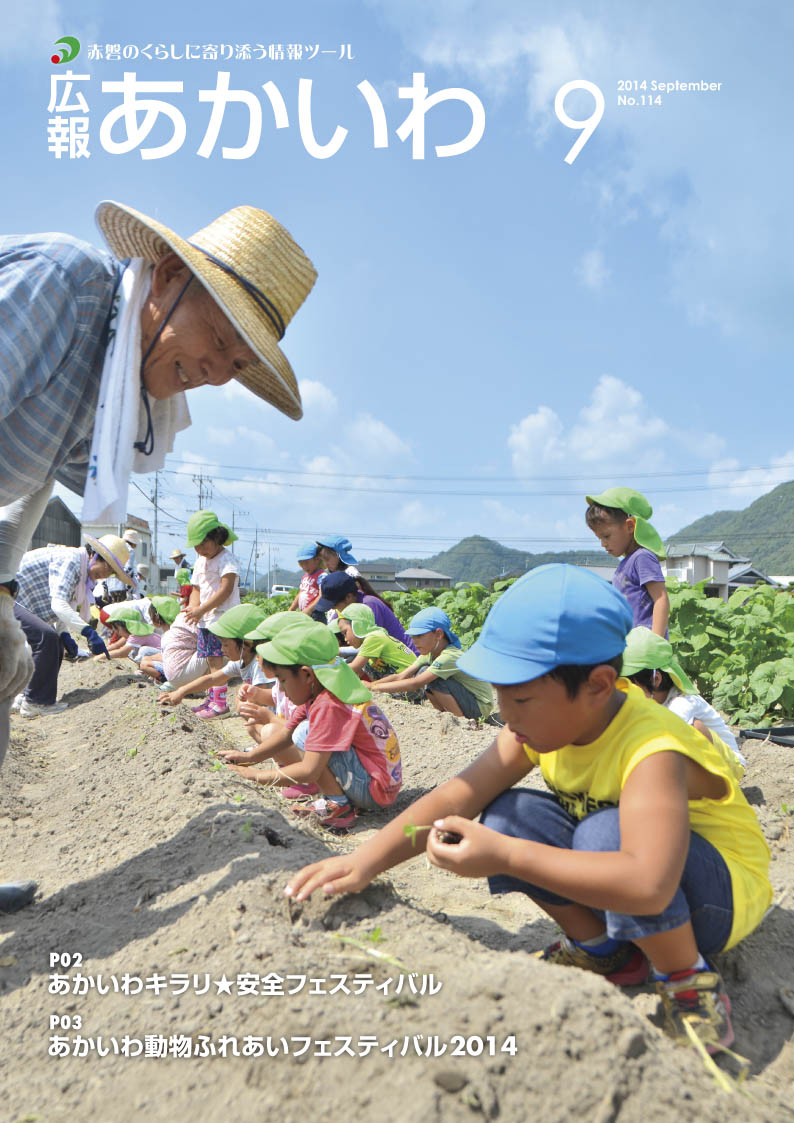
(69, 646)
(16, 658)
(95, 642)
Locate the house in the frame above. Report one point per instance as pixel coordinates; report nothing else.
(713, 562)
(57, 527)
(422, 579)
(380, 576)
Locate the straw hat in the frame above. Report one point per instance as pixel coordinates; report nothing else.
(176, 554)
(114, 551)
(131, 536)
(252, 269)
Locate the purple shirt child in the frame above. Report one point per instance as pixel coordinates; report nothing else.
(630, 578)
(385, 618)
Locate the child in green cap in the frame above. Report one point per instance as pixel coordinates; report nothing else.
(130, 632)
(649, 662)
(347, 750)
(216, 588)
(619, 519)
(240, 662)
(162, 613)
(379, 654)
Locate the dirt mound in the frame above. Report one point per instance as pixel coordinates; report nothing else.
(415, 1000)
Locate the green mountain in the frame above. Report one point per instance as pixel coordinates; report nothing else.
(482, 559)
(763, 532)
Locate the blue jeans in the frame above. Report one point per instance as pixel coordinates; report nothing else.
(346, 768)
(704, 896)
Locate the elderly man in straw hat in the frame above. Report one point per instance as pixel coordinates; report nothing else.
(97, 351)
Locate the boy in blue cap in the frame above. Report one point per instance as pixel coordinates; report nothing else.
(644, 846)
(437, 670)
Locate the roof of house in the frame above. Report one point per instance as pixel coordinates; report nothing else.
(715, 551)
(426, 574)
(741, 573)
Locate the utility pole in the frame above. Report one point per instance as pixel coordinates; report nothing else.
(156, 502)
(204, 489)
(256, 552)
(246, 513)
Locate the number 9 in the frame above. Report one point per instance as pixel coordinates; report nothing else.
(589, 126)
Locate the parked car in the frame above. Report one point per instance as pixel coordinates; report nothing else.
(280, 590)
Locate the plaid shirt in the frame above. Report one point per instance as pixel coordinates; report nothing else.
(55, 300)
(53, 571)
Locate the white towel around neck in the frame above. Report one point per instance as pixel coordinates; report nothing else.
(121, 416)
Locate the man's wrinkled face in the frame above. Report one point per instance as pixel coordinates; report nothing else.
(198, 346)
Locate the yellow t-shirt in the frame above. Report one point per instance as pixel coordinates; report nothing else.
(586, 778)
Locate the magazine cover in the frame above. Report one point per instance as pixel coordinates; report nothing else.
(320, 327)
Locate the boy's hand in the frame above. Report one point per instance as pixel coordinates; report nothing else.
(342, 874)
(243, 771)
(243, 692)
(481, 851)
(193, 615)
(171, 698)
(252, 712)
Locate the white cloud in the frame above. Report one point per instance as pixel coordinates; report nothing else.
(748, 484)
(615, 423)
(591, 270)
(317, 396)
(30, 30)
(370, 437)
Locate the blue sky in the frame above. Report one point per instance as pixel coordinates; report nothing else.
(492, 334)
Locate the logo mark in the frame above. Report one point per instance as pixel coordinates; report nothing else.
(69, 51)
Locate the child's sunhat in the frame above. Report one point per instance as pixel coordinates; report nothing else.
(316, 647)
(637, 506)
(333, 588)
(183, 577)
(428, 620)
(272, 625)
(201, 523)
(166, 607)
(237, 622)
(131, 619)
(250, 266)
(553, 616)
(342, 545)
(307, 551)
(362, 619)
(645, 651)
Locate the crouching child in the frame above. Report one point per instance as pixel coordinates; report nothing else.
(337, 745)
(643, 850)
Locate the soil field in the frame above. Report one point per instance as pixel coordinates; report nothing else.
(161, 874)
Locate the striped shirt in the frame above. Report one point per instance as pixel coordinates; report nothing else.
(55, 299)
(46, 574)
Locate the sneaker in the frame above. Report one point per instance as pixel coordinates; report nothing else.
(699, 999)
(35, 709)
(17, 703)
(300, 791)
(625, 967)
(335, 816)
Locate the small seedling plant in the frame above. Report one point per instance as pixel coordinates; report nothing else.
(452, 838)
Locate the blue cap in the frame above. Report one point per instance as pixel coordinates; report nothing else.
(553, 616)
(333, 588)
(428, 620)
(306, 551)
(342, 545)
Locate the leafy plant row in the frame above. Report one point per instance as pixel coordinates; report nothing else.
(740, 653)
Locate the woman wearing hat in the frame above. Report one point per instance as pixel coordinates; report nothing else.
(97, 349)
(55, 594)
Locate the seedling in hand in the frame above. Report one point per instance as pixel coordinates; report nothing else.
(451, 838)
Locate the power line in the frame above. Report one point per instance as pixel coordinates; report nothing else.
(487, 479)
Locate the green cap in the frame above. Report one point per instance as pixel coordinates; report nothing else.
(316, 647)
(237, 622)
(183, 577)
(638, 508)
(201, 523)
(166, 607)
(272, 625)
(362, 618)
(645, 651)
(131, 619)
